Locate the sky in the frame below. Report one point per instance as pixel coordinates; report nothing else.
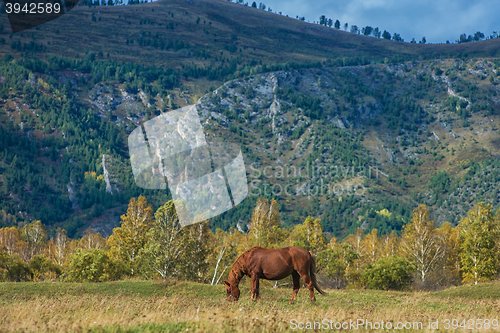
(437, 20)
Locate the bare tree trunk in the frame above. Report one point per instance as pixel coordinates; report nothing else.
(221, 253)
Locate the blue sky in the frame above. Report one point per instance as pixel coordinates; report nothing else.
(437, 20)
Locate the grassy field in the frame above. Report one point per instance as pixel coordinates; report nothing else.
(146, 306)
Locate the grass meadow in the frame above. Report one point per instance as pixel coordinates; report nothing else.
(171, 306)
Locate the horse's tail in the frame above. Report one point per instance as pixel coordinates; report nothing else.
(312, 272)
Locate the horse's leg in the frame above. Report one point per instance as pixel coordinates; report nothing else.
(296, 286)
(255, 287)
(308, 282)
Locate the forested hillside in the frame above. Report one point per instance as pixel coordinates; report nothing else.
(379, 138)
(375, 132)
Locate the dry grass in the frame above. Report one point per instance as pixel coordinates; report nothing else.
(146, 306)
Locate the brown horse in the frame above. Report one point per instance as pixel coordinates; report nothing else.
(273, 264)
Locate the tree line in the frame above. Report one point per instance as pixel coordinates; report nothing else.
(375, 32)
(152, 245)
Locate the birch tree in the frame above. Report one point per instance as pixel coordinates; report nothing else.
(309, 235)
(265, 226)
(389, 245)
(420, 243)
(92, 240)
(34, 237)
(58, 247)
(478, 234)
(127, 240)
(355, 240)
(167, 243)
(224, 253)
(9, 239)
(451, 260)
(199, 245)
(371, 246)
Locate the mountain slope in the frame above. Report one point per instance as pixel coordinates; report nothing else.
(148, 34)
(390, 136)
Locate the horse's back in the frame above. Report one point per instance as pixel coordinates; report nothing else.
(292, 256)
(292, 251)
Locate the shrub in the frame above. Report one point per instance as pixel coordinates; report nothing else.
(389, 273)
(93, 266)
(12, 268)
(42, 268)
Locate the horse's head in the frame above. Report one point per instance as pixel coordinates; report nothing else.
(232, 292)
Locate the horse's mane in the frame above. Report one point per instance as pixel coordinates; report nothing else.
(238, 269)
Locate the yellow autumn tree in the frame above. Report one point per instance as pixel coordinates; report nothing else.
(450, 266)
(389, 245)
(478, 237)
(371, 247)
(265, 226)
(309, 235)
(9, 239)
(130, 237)
(33, 239)
(92, 240)
(355, 240)
(58, 249)
(421, 244)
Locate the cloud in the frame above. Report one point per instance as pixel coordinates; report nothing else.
(437, 20)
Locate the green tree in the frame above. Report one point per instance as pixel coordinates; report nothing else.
(337, 24)
(386, 35)
(254, 4)
(478, 36)
(389, 273)
(167, 245)
(335, 261)
(478, 234)
(42, 268)
(93, 266)
(367, 31)
(13, 268)
(198, 247)
(397, 37)
(323, 20)
(127, 240)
